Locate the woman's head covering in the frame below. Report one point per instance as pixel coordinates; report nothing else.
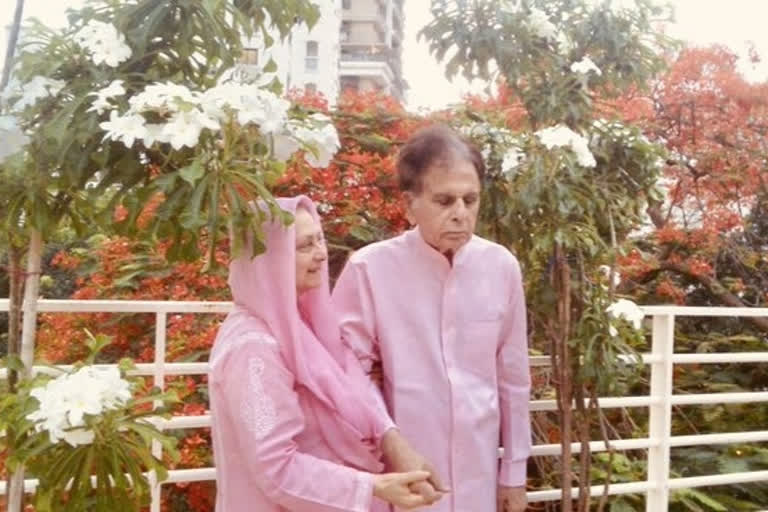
(307, 331)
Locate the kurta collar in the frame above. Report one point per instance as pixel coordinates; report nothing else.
(416, 240)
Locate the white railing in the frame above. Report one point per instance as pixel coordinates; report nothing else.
(660, 401)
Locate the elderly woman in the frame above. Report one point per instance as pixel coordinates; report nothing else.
(294, 425)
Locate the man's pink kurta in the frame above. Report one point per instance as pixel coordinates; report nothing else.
(452, 343)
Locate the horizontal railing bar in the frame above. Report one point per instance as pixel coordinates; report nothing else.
(726, 479)
(605, 403)
(126, 306)
(720, 398)
(595, 490)
(722, 357)
(540, 450)
(153, 306)
(182, 422)
(719, 438)
(142, 369)
(703, 311)
(543, 361)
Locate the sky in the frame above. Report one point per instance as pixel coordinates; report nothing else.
(733, 23)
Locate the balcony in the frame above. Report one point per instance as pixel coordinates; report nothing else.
(661, 402)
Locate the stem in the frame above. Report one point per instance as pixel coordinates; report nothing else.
(28, 332)
(611, 452)
(561, 276)
(15, 278)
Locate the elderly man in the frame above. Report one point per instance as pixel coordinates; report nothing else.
(442, 312)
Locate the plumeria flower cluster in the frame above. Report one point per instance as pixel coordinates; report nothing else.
(67, 401)
(562, 136)
(174, 114)
(17, 96)
(624, 309)
(499, 139)
(585, 66)
(539, 24)
(317, 132)
(105, 44)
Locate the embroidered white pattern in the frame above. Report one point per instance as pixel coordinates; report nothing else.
(258, 409)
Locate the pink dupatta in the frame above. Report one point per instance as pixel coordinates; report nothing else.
(307, 330)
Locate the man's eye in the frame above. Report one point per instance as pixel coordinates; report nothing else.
(470, 200)
(445, 201)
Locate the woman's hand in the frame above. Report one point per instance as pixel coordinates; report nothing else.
(395, 488)
(400, 456)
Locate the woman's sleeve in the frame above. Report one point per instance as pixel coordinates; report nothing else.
(257, 392)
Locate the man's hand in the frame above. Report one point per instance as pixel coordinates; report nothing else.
(511, 499)
(400, 456)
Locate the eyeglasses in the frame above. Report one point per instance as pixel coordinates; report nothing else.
(309, 246)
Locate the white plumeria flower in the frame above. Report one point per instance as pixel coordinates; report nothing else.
(608, 273)
(539, 23)
(126, 128)
(585, 66)
(626, 310)
(12, 138)
(563, 42)
(326, 143)
(584, 156)
(105, 44)
(78, 436)
(556, 136)
(561, 136)
(164, 97)
(511, 160)
(183, 129)
(266, 110)
(509, 6)
(38, 87)
(65, 401)
(101, 103)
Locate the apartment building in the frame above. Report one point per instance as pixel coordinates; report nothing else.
(306, 59)
(356, 44)
(371, 46)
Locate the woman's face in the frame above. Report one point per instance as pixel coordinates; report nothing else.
(310, 251)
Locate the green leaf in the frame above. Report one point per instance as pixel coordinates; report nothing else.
(271, 66)
(192, 173)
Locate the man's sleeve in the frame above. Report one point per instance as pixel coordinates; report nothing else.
(353, 302)
(514, 387)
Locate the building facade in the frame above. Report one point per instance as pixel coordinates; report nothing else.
(356, 44)
(306, 59)
(371, 46)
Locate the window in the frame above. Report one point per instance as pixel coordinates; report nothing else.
(313, 56)
(345, 31)
(350, 83)
(346, 4)
(250, 56)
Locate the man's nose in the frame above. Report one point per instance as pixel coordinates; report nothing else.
(460, 210)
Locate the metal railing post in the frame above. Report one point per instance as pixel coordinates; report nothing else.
(660, 412)
(161, 319)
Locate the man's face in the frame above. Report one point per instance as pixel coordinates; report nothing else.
(446, 208)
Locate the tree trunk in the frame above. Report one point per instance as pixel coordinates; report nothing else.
(562, 367)
(28, 334)
(16, 281)
(13, 37)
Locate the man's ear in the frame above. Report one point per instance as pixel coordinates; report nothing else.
(410, 198)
